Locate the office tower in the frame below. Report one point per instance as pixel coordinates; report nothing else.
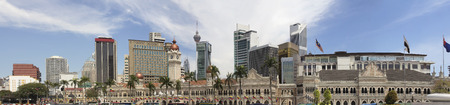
(186, 66)
(174, 55)
(288, 49)
(298, 37)
(244, 39)
(287, 70)
(126, 68)
(55, 65)
(148, 58)
(203, 58)
(257, 56)
(106, 59)
(89, 69)
(26, 70)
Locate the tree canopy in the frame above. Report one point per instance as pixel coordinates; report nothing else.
(327, 96)
(32, 90)
(391, 97)
(316, 96)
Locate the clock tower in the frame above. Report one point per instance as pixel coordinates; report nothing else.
(174, 56)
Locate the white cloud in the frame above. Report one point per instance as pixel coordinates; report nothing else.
(217, 20)
(56, 16)
(422, 8)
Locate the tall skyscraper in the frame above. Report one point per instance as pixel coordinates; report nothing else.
(26, 70)
(298, 37)
(55, 65)
(186, 66)
(89, 69)
(148, 57)
(106, 59)
(174, 55)
(126, 68)
(244, 39)
(288, 49)
(203, 58)
(257, 56)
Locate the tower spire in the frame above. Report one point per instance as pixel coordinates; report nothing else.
(196, 28)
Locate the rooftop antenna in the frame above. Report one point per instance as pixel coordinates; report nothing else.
(196, 30)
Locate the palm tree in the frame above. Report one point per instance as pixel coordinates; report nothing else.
(55, 86)
(178, 86)
(47, 83)
(75, 83)
(64, 83)
(131, 83)
(271, 63)
(83, 81)
(165, 81)
(109, 83)
(239, 74)
(217, 85)
(190, 76)
(229, 80)
(151, 88)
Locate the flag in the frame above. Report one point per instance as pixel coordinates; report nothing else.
(254, 97)
(406, 44)
(319, 46)
(261, 97)
(446, 46)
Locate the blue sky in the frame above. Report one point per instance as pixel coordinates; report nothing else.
(34, 30)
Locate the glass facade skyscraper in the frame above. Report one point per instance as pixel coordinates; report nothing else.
(148, 57)
(287, 70)
(299, 37)
(244, 39)
(203, 58)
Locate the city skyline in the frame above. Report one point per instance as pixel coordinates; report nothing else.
(68, 28)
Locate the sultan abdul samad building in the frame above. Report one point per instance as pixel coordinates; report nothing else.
(353, 78)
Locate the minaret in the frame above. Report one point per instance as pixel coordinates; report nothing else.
(174, 61)
(434, 72)
(441, 74)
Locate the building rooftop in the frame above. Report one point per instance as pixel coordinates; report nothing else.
(392, 75)
(344, 53)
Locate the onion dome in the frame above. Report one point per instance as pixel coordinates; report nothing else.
(174, 45)
(139, 76)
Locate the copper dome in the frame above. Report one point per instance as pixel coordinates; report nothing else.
(139, 76)
(174, 45)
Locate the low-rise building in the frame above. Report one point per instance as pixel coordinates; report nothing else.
(16, 81)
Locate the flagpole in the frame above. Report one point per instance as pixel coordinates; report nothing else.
(443, 61)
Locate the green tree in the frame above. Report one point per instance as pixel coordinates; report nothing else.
(132, 81)
(83, 81)
(92, 93)
(98, 87)
(440, 86)
(64, 83)
(55, 86)
(151, 87)
(229, 80)
(47, 84)
(165, 81)
(75, 82)
(316, 96)
(217, 85)
(391, 97)
(178, 86)
(239, 74)
(271, 63)
(108, 84)
(190, 77)
(32, 90)
(327, 96)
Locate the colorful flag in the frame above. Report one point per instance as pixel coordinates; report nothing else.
(254, 97)
(319, 46)
(261, 97)
(238, 97)
(446, 46)
(406, 45)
